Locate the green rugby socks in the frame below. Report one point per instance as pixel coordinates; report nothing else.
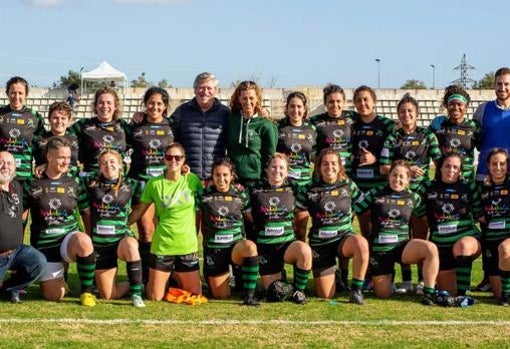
(356, 284)
(463, 266)
(86, 267)
(250, 272)
(505, 282)
(300, 278)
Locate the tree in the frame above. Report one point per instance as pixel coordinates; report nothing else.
(139, 81)
(233, 84)
(271, 82)
(164, 84)
(413, 84)
(254, 77)
(485, 83)
(72, 78)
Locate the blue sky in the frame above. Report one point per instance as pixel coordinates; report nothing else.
(299, 42)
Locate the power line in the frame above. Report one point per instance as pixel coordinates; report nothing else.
(464, 68)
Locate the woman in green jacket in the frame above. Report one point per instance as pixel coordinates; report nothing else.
(252, 136)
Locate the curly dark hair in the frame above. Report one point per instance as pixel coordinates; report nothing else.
(454, 90)
(330, 89)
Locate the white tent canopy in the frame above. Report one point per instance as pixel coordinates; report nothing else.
(104, 73)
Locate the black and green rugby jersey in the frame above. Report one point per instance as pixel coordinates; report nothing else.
(109, 203)
(95, 136)
(273, 212)
(52, 204)
(418, 148)
(222, 214)
(391, 213)
(330, 208)
(451, 209)
(40, 149)
(298, 143)
(17, 132)
(461, 138)
(149, 142)
(335, 133)
(495, 201)
(369, 136)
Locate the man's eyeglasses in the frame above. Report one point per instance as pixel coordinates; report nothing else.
(170, 157)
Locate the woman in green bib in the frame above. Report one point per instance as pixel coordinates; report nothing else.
(174, 244)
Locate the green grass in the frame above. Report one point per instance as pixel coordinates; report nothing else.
(319, 323)
(399, 322)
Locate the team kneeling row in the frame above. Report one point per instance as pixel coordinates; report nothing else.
(253, 228)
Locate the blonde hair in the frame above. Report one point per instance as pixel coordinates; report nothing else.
(97, 180)
(280, 156)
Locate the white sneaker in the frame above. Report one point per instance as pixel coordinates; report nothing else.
(419, 288)
(137, 301)
(405, 287)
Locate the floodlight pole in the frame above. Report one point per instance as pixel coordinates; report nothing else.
(433, 76)
(378, 72)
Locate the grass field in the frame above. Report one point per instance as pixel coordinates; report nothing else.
(398, 322)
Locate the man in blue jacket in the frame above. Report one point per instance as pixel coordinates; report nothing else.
(200, 125)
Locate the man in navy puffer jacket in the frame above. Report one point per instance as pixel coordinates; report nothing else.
(200, 125)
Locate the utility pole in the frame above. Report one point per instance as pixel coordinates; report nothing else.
(464, 67)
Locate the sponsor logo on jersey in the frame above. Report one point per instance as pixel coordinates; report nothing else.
(447, 208)
(107, 199)
(411, 154)
(455, 142)
(394, 213)
(223, 211)
(274, 200)
(329, 206)
(108, 138)
(55, 203)
(363, 144)
(295, 147)
(14, 132)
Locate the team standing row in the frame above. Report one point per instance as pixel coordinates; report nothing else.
(355, 151)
